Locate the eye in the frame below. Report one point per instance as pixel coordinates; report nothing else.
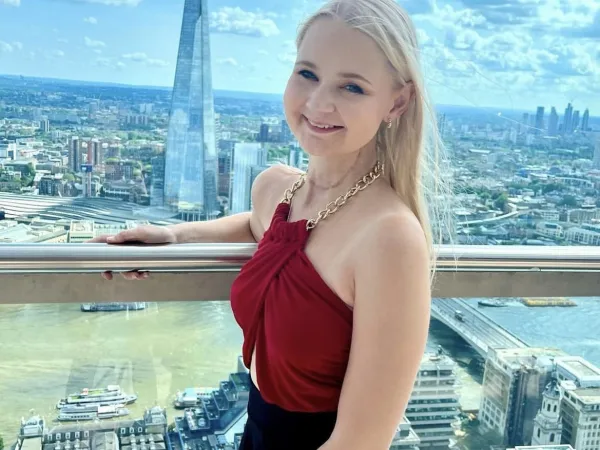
(307, 74)
(354, 89)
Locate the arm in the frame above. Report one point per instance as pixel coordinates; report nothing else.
(234, 228)
(391, 321)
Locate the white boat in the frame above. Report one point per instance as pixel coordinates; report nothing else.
(71, 414)
(110, 395)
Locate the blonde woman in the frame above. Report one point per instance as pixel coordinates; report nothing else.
(334, 305)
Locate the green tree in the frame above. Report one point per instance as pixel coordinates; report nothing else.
(501, 201)
(1, 443)
(569, 201)
(69, 176)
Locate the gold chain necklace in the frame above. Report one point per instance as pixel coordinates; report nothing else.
(333, 206)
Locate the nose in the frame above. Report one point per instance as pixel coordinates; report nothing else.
(321, 100)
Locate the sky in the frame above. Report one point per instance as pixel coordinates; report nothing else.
(515, 54)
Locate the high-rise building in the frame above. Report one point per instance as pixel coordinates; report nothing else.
(286, 133)
(575, 124)
(539, 120)
(585, 121)
(246, 158)
(596, 160)
(44, 124)
(191, 156)
(75, 154)
(434, 403)
(553, 123)
(568, 120)
(97, 156)
(580, 402)
(157, 184)
(513, 383)
(263, 135)
(547, 426)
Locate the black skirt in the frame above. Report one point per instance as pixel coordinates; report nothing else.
(270, 427)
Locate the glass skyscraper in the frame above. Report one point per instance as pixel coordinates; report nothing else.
(191, 157)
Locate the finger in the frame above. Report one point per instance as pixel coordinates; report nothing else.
(123, 236)
(129, 275)
(107, 275)
(98, 239)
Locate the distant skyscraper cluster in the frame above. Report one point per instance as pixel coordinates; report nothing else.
(190, 185)
(572, 122)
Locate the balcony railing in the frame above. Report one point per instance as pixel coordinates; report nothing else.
(69, 273)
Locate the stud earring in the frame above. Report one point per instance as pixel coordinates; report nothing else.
(389, 122)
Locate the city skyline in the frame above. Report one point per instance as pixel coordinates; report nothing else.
(474, 53)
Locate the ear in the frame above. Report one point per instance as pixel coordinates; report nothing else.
(403, 97)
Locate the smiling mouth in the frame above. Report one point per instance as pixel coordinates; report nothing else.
(322, 128)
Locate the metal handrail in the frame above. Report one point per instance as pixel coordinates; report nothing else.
(57, 258)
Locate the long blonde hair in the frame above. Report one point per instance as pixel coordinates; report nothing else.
(412, 148)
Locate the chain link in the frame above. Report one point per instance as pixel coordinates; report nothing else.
(335, 205)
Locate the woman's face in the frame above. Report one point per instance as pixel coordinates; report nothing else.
(340, 91)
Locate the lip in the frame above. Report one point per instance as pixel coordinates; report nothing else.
(321, 130)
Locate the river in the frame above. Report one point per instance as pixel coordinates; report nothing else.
(49, 351)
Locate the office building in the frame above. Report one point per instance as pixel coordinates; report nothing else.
(157, 185)
(539, 120)
(513, 383)
(75, 154)
(44, 125)
(575, 124)
(568, 120)
(585, 121)
(434, 405)
(263, 134)
(286, 133)
(191, 157)
(246, 166)
(553, 123)
(405, 437)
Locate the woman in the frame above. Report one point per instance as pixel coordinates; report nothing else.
(334, 305)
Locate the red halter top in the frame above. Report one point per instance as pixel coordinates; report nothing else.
(301, 330)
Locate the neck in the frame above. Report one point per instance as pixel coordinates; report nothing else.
(328, 176)
(326, 172)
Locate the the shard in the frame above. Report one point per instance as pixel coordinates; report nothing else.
(191, 163)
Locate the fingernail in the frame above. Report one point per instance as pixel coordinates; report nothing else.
(145, 274)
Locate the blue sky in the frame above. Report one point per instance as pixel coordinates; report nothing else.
(505, 53)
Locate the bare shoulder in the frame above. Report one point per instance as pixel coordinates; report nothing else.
(268, 190)
(392, 234)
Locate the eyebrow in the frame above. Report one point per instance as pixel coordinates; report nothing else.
(343, 75)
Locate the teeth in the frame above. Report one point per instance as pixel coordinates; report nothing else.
(325, 127)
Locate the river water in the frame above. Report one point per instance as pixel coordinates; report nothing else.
(49, 351)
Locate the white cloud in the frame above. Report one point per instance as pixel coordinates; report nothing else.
(10, 2)
(237, 21)
(5, 47)
(156, 62)
(91, 20)
(54, 54)
(139, 56)
(263, 52)
(62, 41)
(142, 57)
(110, 63)
(93, 43)
(228, 62)
(98, 51)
